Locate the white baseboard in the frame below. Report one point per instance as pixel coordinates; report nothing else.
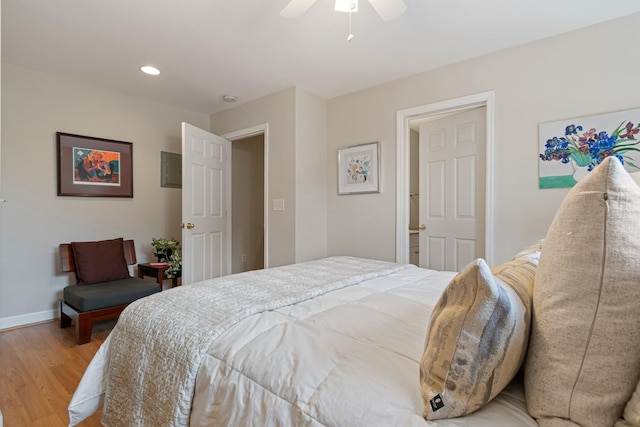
(27, 319)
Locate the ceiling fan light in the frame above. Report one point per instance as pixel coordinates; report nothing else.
(346, 6)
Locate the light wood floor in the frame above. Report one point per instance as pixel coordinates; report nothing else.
(40, 367)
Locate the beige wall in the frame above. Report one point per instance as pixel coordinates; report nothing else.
(311, 177)
(35, 106)
(247, 212)
(584, 72)
(278, 110)
(0, 138)
(296, 122)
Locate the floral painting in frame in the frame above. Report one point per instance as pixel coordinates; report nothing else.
(359, 168)
(570, 149)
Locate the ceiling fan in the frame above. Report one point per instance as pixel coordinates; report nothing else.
(387, 9)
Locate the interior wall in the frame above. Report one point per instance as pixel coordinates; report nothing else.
(534, 83)
(247, 199)
(278, 110)
(311, 177)
(296, 171)
(36, 105)
(0, 128)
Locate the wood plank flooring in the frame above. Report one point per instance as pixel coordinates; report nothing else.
(40, 367)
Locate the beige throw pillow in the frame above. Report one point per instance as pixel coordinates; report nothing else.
(583, 361)
(631, 412)
(477, 337)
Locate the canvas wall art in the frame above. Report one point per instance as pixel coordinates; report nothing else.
(569, 149)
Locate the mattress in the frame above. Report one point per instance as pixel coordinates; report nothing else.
(348, 357)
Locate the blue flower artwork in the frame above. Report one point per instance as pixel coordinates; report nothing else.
(569, 149)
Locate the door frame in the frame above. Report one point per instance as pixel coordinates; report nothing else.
(403, 117)
(261, 129)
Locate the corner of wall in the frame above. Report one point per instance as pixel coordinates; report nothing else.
(311, 176)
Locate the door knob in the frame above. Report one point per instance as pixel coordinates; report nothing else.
(190, 226)
(422, 227)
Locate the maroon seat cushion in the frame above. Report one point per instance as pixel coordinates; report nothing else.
(100, 261)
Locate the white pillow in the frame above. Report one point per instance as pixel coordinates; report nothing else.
(583, 361)
(89, 395)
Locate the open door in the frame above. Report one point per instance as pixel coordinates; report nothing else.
(204, 210)
(452, 191)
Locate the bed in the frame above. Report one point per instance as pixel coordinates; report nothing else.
(346, 341)
(346, 356)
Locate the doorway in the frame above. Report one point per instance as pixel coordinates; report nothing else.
(247, 204)
(259, 135)
(405, 192)
(450, 199)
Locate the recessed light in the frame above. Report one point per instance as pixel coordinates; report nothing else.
(229, 98)
(149, 69)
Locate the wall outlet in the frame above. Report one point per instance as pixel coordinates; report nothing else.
(243, 258)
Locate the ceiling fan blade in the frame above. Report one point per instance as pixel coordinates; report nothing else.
(296, 8)
(388, 9)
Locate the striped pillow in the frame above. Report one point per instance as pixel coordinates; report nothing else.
(478, 336)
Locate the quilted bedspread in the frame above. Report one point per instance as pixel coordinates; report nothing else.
(159, 342)
(348, 357)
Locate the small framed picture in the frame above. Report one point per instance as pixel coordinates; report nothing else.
(94, 167)
(359, 169)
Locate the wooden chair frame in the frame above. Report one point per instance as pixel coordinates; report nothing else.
(84, 320)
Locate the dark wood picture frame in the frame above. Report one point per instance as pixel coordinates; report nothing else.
(94, 167)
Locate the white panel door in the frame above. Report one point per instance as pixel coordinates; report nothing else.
(452, 186)
(204, 208)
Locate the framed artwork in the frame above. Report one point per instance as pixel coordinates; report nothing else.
(94, 167)
(569, 149)
(359, 169)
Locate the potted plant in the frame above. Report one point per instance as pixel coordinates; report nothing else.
(175, 264)
(168, 250)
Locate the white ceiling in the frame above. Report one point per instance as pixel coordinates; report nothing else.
(208, 48)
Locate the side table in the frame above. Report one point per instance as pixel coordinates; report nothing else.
(156, 270)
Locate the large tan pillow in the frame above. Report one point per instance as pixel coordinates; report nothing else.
(631, 414)
(477, 337)
(584, 356)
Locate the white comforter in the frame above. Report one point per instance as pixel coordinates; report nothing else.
(347, 358)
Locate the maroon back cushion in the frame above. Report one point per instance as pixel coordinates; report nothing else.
(100, 261)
